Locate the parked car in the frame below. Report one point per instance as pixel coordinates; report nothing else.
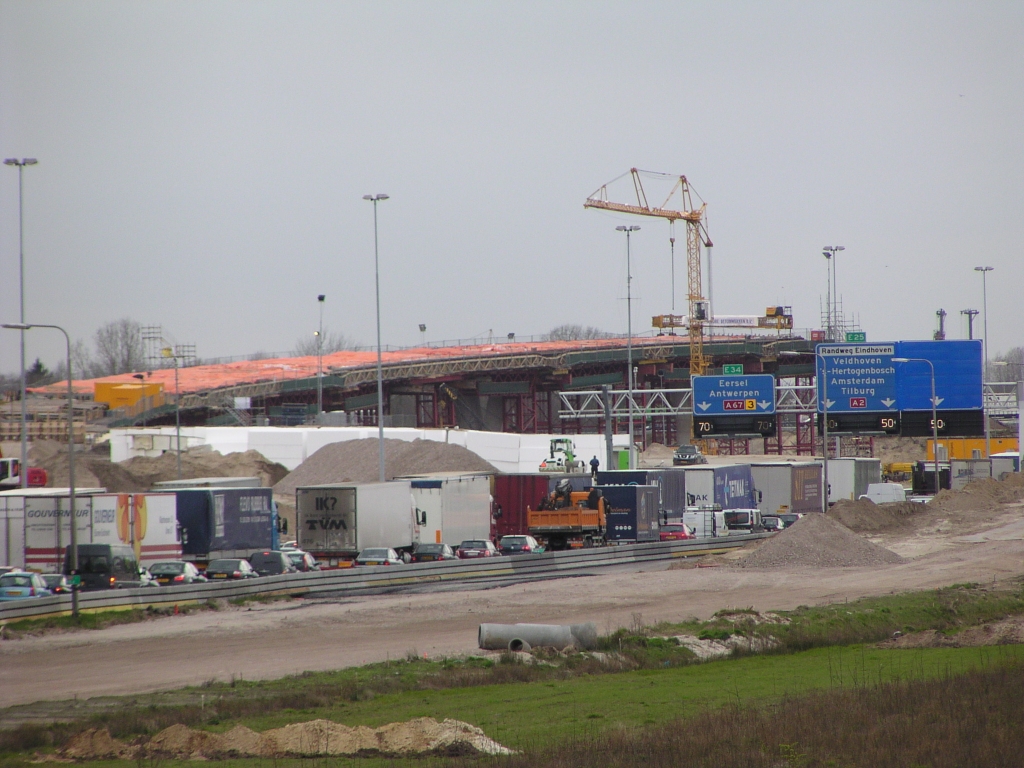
(788, 518)
(271, 562)
(426, 553)
(172, 572)
(772, 523)
(688, 455)
(379, 556)
(519, 545)
(230, 569)
(57, 583)
(19, 585)
(289, 546)
(303, 561)
(675, 532)
(474, 548)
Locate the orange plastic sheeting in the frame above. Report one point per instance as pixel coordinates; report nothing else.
(204, 378)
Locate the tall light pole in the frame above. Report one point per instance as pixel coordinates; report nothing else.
(984, 308)
(935, 420)
(71, 454)
(629, 335)
(169, 352)
(824, 420)
(830, 252)
(21, 303)
(380, 376)
(320, 360)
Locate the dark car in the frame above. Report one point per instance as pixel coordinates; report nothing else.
(303, 561)
(219, 570)
(271, 562)
(57, 583)
(688, 455)
(474, 548)
(104, 566)
(171, 572)
(519, 545)
(426, 553)
(788, 518)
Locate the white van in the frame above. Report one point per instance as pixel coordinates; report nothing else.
(881, 493)
(706, 522)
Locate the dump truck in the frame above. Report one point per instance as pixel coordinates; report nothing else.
(569, 519)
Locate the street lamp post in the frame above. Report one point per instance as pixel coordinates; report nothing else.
(320, 360)
(171, 352)
(984, 308)
(824, 421)
(21, 302)
(71, 453)
(380, 376)
(629, 335)
(935, 420)
(832, 310)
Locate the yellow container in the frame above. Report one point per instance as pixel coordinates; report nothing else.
(969, 447)
(117, 394)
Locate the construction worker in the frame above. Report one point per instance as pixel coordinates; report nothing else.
(594, 464)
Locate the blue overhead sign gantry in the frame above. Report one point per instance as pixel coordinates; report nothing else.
(734, 395)
(856, 378)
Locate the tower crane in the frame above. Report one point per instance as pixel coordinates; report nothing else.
(677, 206)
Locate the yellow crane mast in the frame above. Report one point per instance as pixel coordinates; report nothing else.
(677, 206)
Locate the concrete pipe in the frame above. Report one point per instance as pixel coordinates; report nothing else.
(521, 637)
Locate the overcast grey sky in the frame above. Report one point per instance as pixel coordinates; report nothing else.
(202, 164)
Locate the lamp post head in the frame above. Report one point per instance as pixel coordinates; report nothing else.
(23, 161)
(375, 198)
(423, 327)
(983, 269)
(901, 359)
(630, 228)
(321, 298)
(17, 326)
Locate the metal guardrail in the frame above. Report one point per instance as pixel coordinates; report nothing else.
(350, 581)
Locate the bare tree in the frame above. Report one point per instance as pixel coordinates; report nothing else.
(333, 342)
(81, 362)
(119, 348)
(574, 332)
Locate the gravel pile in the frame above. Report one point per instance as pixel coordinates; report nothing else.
(356, 461)
(816, 540)
(867, 517)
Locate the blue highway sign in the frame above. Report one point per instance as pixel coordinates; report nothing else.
(734, 395)
(958, 366)
(856, 378)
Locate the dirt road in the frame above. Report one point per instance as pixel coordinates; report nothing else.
(274, 640)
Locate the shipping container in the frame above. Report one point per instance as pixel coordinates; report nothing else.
(208, 482)
(225, 522)
(923, 480)
(146, 522)
(1004, 464)
(787, 486)
(671, 484)
(964, 471)
(968, 447)
(335, 522)
(849, 478)
(512, 495)
(452, 509)
(631, 513)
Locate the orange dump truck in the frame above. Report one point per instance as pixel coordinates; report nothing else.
(569, 519)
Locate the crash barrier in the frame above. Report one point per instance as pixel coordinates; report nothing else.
(523, 637)
(364, 579)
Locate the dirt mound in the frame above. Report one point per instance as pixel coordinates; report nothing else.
(356, 461)
(95, 744)
(980, 494)
(817, 540)
(867, 517)
(1008, 631)
(93, 470)
(314, 738)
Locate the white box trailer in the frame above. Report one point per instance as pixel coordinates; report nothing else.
(788, 486)
(147, 522)
(452, 509)
(964, 471)
(335, 522)
(849, 478)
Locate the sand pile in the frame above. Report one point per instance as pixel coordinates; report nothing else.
(867, 517)
(817, 540)
(356, 461)
(980, 494)
(94, 469)
(313, 738)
